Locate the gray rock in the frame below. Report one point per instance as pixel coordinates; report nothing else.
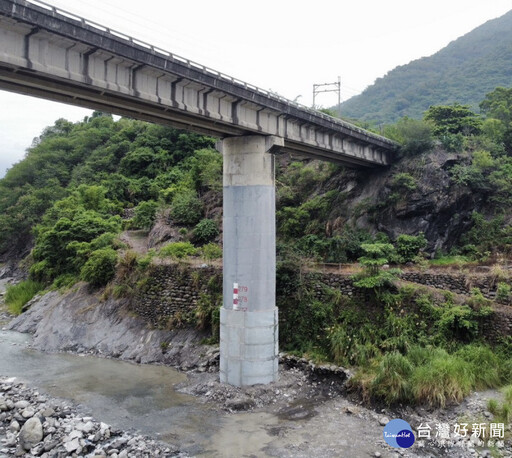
(238, 404)
(10, 439)
(118, 443)
(37, 450)
(48, 412)
(85, 427)
(72, 445)
(14, 426)
(50, 443)
(74, 435)
(21, 404)
(383, 421)
(31, 433)
(29, 412)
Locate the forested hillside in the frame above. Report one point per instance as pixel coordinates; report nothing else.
(464, 72)
(73, 188)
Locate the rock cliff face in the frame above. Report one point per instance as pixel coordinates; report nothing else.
(378, 201)
(78, 321)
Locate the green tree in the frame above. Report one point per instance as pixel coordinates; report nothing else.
(453, 119)
(409, 246)
(373, 277)
(186, 208)
(414, 135)
(100, 268)
(498, 105)
(145, 214)
(205, 231)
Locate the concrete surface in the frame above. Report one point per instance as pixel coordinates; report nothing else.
(68, 60)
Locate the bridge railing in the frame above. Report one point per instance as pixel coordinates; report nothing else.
(197, 66)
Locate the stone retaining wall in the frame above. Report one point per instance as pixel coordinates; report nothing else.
(456, 283)
(499, 324)
(173, 291)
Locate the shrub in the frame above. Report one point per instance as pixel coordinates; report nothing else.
(504, 293)
(205, 231)
(453, 142)
(144, 214)
(64, 281)
(100, 268)
(457, 322)
(408, 247)
(207, 315)
(18, 295)
(178, 250)
(404, 181)
(41, 271)
(145, 261)
(186, 208)
(211, 251)
(414, 135)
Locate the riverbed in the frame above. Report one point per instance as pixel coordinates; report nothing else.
(295, 417)
(144, 398)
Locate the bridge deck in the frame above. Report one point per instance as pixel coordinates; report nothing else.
(51, 54)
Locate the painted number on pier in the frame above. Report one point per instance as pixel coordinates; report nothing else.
(240, 297)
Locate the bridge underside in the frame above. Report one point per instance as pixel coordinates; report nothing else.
(28, 83)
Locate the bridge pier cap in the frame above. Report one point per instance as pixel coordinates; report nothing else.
(249, 351)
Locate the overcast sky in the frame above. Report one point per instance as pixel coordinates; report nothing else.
(282, 45)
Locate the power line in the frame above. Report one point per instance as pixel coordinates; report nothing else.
(328, 87)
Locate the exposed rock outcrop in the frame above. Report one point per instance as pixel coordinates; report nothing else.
(80, 322)
(375, 201)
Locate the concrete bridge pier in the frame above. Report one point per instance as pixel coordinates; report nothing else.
(248, 317)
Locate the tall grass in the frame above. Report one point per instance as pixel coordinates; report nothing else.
(446, 378)
(18, 295)
(431, 375)
(502, 411)
(486, 365)
(454, 261)
(392, 379)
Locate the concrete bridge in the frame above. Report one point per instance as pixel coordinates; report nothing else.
(52, 54)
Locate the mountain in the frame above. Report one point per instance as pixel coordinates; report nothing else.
(464, 72)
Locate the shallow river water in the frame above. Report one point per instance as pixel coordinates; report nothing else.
(143, 398)
(125, 395)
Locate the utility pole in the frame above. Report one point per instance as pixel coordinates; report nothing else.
(328, 87)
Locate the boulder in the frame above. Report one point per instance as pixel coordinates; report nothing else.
(31, 433)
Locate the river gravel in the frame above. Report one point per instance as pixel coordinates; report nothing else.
(32, 424)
